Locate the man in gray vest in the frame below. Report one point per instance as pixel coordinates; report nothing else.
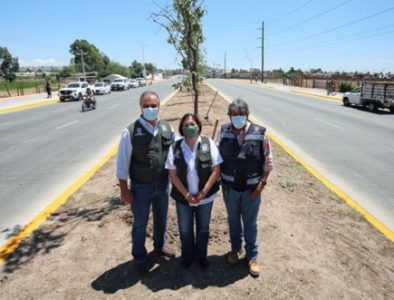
(143, 150)
(247, 162)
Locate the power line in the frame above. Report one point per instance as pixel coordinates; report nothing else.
(337, 27)
(312, 18)
(343, 42)
(292, 11)
(347, 36)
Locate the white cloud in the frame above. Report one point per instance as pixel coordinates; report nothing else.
(38, 62)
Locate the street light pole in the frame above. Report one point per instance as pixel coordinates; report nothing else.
(143, 62)
(251, 65)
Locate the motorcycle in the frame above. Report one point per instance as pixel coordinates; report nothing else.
(88, 103)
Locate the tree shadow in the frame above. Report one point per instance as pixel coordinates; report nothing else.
(53, 233)
(169, 274)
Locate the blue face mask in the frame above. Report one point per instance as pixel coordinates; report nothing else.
(150, 113)
(238, 122)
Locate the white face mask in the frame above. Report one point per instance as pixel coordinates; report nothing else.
(238, 122)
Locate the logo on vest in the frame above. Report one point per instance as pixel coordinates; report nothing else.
(204, 148)
(139, 132)
(177, 154)
(256, 129)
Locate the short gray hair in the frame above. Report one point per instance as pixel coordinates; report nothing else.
(148, 94)
(238, 104)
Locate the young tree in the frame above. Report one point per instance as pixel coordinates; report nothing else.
(8, 64)
(182, 21)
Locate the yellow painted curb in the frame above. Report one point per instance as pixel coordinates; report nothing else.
(341, 194)
(316, 95)
(27, 106)
(14, 242)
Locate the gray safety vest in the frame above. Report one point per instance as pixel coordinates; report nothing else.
(242, 165)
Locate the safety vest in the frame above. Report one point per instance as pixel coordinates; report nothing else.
(149, 153)
(242, 165)
(203, 164)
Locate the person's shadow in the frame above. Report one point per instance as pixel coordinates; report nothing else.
(168, 274)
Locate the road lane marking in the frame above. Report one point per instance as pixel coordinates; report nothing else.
(27, 106)
(316, 95)
(113, 106)
(341, 194)
(10, 246)
(66, 125)
(329, 124)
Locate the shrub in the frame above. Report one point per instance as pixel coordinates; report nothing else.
(345, 87)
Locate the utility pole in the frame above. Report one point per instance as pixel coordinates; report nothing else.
(262, 52)
(80, 52)
(225, 55)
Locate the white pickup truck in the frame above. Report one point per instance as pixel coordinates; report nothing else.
(371, 96)
(73, 91)
(120, 85)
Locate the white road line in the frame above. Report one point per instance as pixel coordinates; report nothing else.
(113, 106)
(330, 124)
(68, 124)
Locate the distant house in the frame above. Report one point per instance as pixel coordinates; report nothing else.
(112, 77)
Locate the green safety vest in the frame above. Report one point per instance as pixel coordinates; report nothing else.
(149, 153)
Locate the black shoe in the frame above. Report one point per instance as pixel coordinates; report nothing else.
(166, 251)
(204, 263)
(142, 268)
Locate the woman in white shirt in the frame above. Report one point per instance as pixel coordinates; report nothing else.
(194, 168)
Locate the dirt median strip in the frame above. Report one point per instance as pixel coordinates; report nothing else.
(28, 106)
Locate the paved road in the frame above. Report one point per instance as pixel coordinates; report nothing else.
(352, 148)
(44, 150)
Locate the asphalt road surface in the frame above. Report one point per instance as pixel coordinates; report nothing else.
(45, 149)
(352, 148)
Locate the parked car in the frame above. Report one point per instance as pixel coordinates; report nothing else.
(134, 83)
(119, 85)
(73, 91)
(141, 81)
(101, 88)
(372, 95)
(352, 97)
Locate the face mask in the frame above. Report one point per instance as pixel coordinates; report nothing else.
(190, 131)
(238, 122)
(150, 113)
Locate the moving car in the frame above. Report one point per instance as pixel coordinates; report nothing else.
(73, 91)
(101, 88)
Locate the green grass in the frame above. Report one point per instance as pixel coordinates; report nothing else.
(25, 84)
(28, 86)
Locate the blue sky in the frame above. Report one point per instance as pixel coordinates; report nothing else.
(333, 35)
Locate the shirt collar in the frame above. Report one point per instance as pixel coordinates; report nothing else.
(185, 146)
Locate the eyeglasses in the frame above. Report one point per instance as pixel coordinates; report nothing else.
(151, 106)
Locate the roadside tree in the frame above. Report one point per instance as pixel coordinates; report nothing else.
(8, 64)
(182, 21)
